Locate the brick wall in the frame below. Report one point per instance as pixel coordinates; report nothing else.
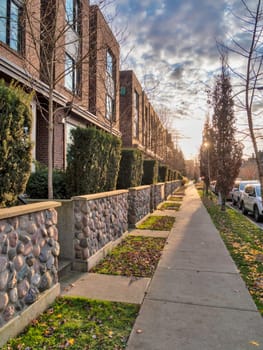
(128, 85)
(102, 40)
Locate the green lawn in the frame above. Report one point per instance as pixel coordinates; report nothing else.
(79, 323)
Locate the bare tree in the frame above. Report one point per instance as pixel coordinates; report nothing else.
(249, 169)
(56, 53)
(251, 77)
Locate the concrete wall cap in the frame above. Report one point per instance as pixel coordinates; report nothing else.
(100, 195)
(27, 209)
(139, 188)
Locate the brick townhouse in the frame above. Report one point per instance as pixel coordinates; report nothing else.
(69, 47)
(140, 125)
(31, 39)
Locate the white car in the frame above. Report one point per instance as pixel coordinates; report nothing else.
(237, 193)
(251, 201)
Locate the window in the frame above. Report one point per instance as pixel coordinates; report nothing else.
(110, 86)
(10, 24)
(71, 77)
(136, 115)
(73, 14)
(109, 64)
(109, 108)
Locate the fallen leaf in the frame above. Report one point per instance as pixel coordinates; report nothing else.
(71, 341)
(255, 343)
(259, 257)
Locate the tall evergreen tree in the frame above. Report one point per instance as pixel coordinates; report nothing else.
(206, 155)
(228, 151)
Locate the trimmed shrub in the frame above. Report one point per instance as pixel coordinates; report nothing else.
(131, 168)
(113, 164)
(172, 175)
(150, 172)
(163, 173)
(179, 176)
(93, 161)
(15, 146)
(37, 186)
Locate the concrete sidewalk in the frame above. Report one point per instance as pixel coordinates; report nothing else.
(196, 299)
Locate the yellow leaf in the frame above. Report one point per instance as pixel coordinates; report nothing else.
(255, 343)
(71, 341)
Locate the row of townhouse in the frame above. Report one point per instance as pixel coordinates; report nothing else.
(68, 44)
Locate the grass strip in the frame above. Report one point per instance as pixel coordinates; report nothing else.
(135, 256)
(244, 241)
(78, 323)
(155, 222)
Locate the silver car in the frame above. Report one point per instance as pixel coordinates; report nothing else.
(237, 194)
(251, 201)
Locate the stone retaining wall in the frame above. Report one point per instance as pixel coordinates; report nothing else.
(171, 186)
(98, 219)
(28, 256)
(158, 195)
(139, 200)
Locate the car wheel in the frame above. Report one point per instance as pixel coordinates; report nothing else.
(243, 209)
(257, 216)
(233, 201)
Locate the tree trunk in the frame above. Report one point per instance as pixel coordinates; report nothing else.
(50, 145)
(223, 202)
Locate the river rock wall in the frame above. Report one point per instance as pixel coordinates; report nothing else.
(29, 250)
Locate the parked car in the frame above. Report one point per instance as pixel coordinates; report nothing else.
(234, 189)
(213, 186)
(237, 194)
(251, 201)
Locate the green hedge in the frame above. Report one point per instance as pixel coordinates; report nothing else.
(37, 186)
(15, 145)
(173, 175)
(179, 176)
(93, 161)
(150, 172)
(131, 168)
(163, 173)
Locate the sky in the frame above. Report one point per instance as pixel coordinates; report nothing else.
(171, 45)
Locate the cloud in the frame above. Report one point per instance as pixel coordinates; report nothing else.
(175, 48)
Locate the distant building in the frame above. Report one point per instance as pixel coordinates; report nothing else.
(140, 125)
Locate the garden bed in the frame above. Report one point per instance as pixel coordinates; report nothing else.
(136, 256)
(155, 222)
(170, 206)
